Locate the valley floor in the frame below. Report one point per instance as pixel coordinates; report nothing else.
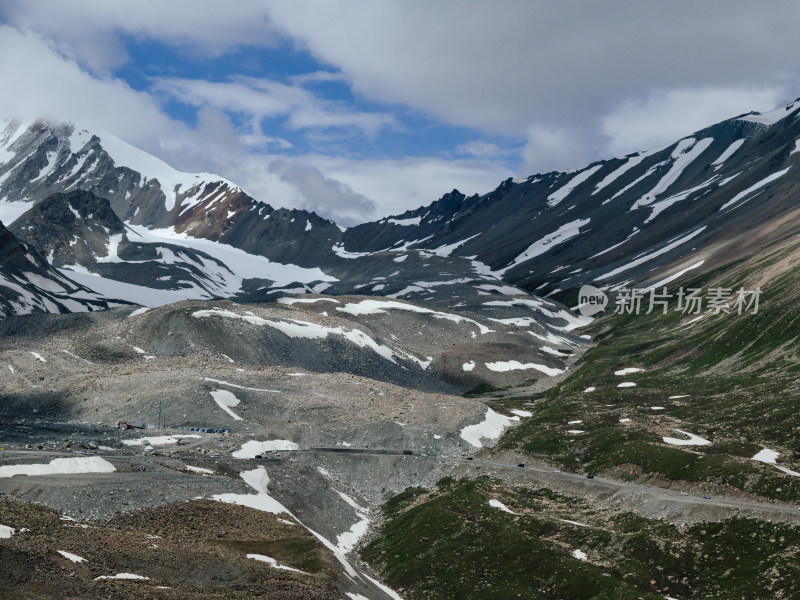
(158, 505)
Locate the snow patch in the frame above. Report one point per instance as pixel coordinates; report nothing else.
(60, 466)
(385, 589)
(375, 307)
(123, 576)
(200, 470)
(405, 222)
(338, 250)
(239, 265)
(447, 250)
(685, 152)
(694, 440)
(628, 371)
(306, 330)
(656, 253)
(553, 351)
(727, 153)
(226, 400)
(171, 180)
(253, 448)
(626, 166)
(274, 563)
(515, 365)
(112, 256)
(71, 557)
(674, 276)
(490, 428)
(291, 301)
(499, 505)
(766, 456)
(557, 196)
(753, 188)
(573, 523)
(770, 117)
(548, 242)
(259, 480)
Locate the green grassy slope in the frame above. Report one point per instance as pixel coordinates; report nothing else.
(738, 374)
(450, 543)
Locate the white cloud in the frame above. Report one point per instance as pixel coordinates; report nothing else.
(351, 191)
(569, 75)
(398, 185)
(89, 30)
(667, 115)
(316, 77)
(356, 189)
(41, 83)
(257, 98)
(552, 149)
(505, 68)
(481, 149)
(327, 197)
(577, 82)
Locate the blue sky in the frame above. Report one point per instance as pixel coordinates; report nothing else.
(393, 131)
(359, 109)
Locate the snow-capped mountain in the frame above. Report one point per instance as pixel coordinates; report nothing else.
(123, 237)
(152, 234)
(39, 159)
(699, 202)
(80, 234)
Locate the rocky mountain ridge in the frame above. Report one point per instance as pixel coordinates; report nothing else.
(646, 219)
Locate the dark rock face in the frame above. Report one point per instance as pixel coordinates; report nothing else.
(29, 284)
(72, 228)
(80, 230)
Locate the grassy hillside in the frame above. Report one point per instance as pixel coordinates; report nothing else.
(731, 379)
(451, 543)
